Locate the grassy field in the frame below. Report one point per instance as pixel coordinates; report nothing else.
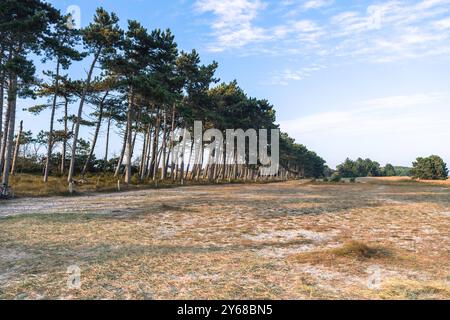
(377, 239)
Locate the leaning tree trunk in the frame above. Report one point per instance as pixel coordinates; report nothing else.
(16, 149)
(105, 160)
(12, 99)
(78, 119)
(122, 153)
(52, 119)
(66, 132)
(94, 139)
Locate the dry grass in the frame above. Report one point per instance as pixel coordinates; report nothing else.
(402, 180)
(27, 185)
(286, 240)
(361, 250)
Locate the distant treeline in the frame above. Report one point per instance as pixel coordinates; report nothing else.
(431, 168)
(364, 168)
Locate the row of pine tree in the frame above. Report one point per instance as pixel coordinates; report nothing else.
(138, 81)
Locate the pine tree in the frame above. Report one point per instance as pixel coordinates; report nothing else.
(59, 46)
(101, 39)
(24, 24)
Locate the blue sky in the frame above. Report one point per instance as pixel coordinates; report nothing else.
(347, 78)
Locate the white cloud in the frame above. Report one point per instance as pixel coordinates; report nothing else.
(287, 75)
(396, 102)
(383, 32)
(388, 31)
(316, 4)
(442, 24)
(232, 25)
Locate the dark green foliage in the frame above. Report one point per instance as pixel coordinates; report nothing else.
(402, 171)
(335, 177)
(389, 171)
(359, 168)
(298, 159)
(430, 168)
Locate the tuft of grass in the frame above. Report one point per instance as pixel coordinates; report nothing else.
(361, 251)
(353, 250)
(168, 207)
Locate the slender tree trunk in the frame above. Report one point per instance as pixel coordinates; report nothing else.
(108, 127)
(146, 145)
(172, 138)
(2, 94)
(97, 130)
(52, 119)
(183, 150)
(164, 146)
(122, 153)
(7, 116)
(159, 156)
(189, 161)
(129, 142)
(154, 146)
(156, 150)
(143, 154)
(66, 132)
(78, 119)
(12, 99)
(5, 136)
(16, 149)
(149, 151)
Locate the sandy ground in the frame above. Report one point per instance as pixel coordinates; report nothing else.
(292, 240)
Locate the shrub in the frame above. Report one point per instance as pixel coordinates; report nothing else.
(430, 168)
(335, 177)
(352, 180)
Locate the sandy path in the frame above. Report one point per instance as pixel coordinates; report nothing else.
(104, 203)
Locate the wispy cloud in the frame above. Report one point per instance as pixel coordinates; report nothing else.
(233, 22)
(287, 75)
(392, 30)
(383, 32)
(316, 4)
(442, 24)
(400, 102)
